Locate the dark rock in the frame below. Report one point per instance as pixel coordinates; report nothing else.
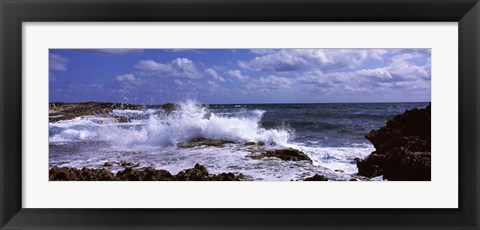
(128, 164)
(260, 143)
(66, 111)
(169, 107)
(150, 174)
(369, 167)
(256, 156)
(85, 174)
(228, 177)
(200, 173)
(122, 119)
(289, 154)
(415, 122)
(147, 174)
(129, 174)
(197, 173)
(249, 143)
(316, 177)
(403, 148)
(108, 164)
(203, 142)
(201, 168)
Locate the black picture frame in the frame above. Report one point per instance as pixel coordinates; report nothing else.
(14, 12)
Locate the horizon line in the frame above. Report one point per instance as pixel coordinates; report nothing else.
(279, 103)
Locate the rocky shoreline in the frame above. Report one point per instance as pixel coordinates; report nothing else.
(288, 154)
(132, 172)
(403, 148)
(58, 111)
(197, 173)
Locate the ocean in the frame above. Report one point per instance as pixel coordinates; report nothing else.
(332, 135)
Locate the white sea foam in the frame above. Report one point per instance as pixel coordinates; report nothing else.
(336, 158)
(73, 135)
(127, 112)
(166, 129)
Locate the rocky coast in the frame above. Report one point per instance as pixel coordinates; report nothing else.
(403, 148)
(65, 111)
(197, 173)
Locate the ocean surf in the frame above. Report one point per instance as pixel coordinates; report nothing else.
(238, 138)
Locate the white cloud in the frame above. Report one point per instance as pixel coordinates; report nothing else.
(192, 89)
(178, 82)
(279, 82)
(301, 59)
(271, 82)
(214, 74)
(402, 73)
(212, 83)
(403, 65)
(399, 74)
(400, 69)
(238, 75)
(317, 78)
(58, 62)
(180, 67)
(125, 78)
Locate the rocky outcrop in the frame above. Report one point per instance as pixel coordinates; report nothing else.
(66, 111)
(85, 174)
(403, 148)
(203, 142)
(197, 173)
(200, 173)
(289, 154)
(169, 107)
(122, 163)
(316, 177)
(147, 174)
(200, 141)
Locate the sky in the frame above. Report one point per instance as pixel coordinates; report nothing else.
(240, 76)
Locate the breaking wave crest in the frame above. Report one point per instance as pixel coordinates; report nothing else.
(191, 120)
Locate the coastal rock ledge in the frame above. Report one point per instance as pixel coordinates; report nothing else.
(197, 173)
(403, 148)
(289, 154)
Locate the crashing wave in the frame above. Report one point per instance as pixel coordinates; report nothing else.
(191, 120)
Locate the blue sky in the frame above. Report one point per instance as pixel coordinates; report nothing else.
(155, 76)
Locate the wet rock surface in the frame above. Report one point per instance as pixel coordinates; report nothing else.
(203, 142)
(85, 174)
(121, 163)
(147, 174)
(197, 173)
(288, 154)
(316, 177)
(403, 148)
(65, 111)
(169, 107)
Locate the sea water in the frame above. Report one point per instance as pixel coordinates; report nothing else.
(332, 135)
